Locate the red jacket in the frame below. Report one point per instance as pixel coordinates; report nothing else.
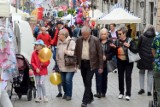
(46, 38)
(37, 64)
(55, 39)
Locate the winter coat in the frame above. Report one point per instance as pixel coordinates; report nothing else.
(36, 63)
(144, 47)
(61, 47)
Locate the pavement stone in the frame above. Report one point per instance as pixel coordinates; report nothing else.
(111, 99)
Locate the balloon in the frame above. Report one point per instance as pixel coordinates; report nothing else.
(80, 15)
(55, 78)
(45, 54)
(79, 20)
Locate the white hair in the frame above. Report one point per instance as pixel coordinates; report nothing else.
(103, 30)
(85, 29)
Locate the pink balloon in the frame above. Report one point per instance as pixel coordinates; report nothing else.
(80, 15)
(79, 20)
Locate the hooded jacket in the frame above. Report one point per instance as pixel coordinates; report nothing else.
(144, 47)
(36, 63)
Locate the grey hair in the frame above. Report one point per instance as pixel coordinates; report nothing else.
(123, 29)
(85, 29)
(64, 32)
(103, 30)
(149, 27)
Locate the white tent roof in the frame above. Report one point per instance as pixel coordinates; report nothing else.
(118, 16)
(97, 14)
(4, 8)
(20, 12)
(68, 17)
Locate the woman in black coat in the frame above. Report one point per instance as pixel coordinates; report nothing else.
(145, 63)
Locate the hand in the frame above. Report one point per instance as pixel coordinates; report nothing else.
(65, 51)
(100, 71)
(49, 46)
(37, 70)
(127, 45)
(112, 45)
(104, 58)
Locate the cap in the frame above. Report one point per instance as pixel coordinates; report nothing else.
(39, 42)
(59, 22)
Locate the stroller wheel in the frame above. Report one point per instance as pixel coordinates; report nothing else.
(19, 96)
(29, 95)
(151, 104)
(34, 92)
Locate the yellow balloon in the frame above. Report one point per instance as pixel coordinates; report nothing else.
(55, 78)
(45, 54)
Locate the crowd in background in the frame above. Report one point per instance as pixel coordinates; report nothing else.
(94, 47)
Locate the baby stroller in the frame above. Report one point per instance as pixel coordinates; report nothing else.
(156, 91)
(23, 84)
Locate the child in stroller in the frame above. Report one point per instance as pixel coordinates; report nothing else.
(24, 83)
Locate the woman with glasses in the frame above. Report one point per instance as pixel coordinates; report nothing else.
(123, 64)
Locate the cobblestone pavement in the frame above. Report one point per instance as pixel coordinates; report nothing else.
(111, 99)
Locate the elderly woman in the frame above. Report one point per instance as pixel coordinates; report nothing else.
(145, 63)
(123, 64)
(102, 79)
(67, 72)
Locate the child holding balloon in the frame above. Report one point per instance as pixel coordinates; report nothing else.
(40, 65)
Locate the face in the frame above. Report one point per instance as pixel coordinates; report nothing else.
(59, 26)
(85, 35)
(38, 47)
(104, 35)
(61, 36)
(43, 30)
(121, 35)
(112, 27)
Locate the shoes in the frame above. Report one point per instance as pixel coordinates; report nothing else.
(38, 100)
(127, 98)
(59, 95)
(103, 95)
(45, 99)
(98, 95)
(68, 98)
(90, 101)
(149, 94)
(141, 92)
(64, 97)
(83, 105)
(120, 96)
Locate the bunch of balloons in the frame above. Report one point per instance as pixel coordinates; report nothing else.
(79, 18)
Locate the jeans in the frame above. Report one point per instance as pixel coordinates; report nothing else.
(40, 82)
(124, 68)
(149, 79)
(67, 83)
(87, 75)
(102, 81)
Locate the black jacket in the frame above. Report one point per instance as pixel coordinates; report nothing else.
(132, 47)
(108, 51)
(144, 47)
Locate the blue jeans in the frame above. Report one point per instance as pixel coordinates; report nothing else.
(67, 83)
(102, 81)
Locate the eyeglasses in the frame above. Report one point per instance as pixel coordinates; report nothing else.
(119, 34)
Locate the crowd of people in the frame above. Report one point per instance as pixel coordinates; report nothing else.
(93, 48)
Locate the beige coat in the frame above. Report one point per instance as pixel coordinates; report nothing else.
(61, 48)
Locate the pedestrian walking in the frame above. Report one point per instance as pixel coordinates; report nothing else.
(40, 72)
(89, 59)
(146, 61)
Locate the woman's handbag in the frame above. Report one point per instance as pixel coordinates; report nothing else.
(133, 57)
(111, 66)
(69, 60)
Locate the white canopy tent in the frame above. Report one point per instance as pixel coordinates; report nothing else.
(119, 16)
(96, 14)
(68, 17)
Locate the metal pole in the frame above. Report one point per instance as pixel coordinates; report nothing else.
(92, 9)
(16, 5)
(144, 13)
(102, 5)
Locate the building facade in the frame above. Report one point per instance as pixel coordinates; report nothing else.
(147, 10)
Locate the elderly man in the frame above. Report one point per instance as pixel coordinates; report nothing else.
(45, 37)
(89, 59)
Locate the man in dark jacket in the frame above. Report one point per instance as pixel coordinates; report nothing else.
(89, 59)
